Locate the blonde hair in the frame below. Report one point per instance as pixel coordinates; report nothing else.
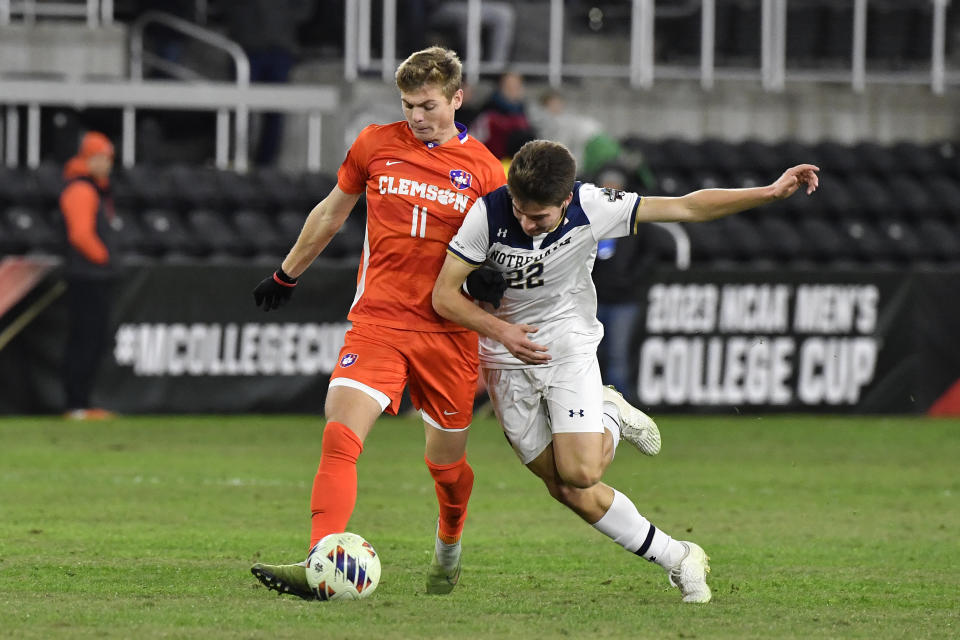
(432, 66)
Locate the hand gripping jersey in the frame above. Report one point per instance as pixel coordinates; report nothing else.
(417, 196)
(549, 274)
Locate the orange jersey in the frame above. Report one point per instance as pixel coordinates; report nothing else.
(417, 197)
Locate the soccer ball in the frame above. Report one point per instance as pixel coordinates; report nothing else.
(343, 566)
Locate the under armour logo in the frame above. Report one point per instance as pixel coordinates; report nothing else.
(501, 233)
(575, 412)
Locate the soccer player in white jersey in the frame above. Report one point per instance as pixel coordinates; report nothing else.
(538, 349)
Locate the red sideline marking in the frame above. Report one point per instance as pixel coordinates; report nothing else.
(18, 275)
(948, 404)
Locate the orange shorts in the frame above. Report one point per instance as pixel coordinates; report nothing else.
(440, 369)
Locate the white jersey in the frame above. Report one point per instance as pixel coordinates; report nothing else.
(548, 275)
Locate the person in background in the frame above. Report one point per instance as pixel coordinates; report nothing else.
(267, 31)
(621, 266)
(502, 114)
(497, 21)
(90, 270)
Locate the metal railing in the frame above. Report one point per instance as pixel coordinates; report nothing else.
(642, 69)
(139, 57)
(95, 12)
(158, 94)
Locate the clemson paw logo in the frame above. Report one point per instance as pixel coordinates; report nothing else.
(348, 359)
(460, 179)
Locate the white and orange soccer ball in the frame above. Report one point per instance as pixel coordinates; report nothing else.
(343, 566)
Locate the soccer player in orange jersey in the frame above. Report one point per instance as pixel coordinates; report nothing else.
(420, 176)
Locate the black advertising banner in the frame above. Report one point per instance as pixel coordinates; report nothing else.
(191, 340)
(779, 341)
(188, 338)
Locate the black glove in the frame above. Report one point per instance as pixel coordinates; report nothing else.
(487, 285)
(274, 291)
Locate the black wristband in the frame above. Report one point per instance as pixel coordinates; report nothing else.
(284, 277)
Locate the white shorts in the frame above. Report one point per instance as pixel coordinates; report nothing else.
(534, 403)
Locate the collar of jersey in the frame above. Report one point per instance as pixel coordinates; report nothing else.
(461, 136)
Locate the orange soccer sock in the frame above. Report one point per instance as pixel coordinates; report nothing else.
(335, 485)
(454, 482)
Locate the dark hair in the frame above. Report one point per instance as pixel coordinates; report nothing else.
(432, 66)
(542, 172)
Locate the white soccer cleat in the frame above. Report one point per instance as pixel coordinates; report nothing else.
(690, 574)
(636, 427)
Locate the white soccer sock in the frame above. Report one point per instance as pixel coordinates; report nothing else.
(611, 422)
(625, 526)
(448, 554)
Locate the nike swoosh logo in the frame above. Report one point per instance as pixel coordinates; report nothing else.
(391, 162)
(449, 413)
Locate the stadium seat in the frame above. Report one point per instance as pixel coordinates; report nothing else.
(289, 224)
(726, 157)
(314, 187)
(868, 243)
(874, 198)
(906, 243)
(913, 200)
(833, 199)
(219, 239)
(682, 155)
(671, 183)
(942, 238)
(948, 157)
(763, 159)
(131, 238)
(945, 193)
(241, 191)
(648, 151)
(828, 244)
(49, 183)
(835, 159)
(748, 244)
(280, 188)
(709, 243)
(21, 187)
(168, 236)
(877, 158)
(257, 228)
(142, 187)
(790, 153)
(785, 242)
(195, 187)
(920, 160)
(33, 230)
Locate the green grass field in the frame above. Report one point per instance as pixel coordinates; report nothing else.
(147, 527)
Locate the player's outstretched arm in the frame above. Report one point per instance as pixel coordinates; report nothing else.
(450, 304)
(322, 223)
(710, 204)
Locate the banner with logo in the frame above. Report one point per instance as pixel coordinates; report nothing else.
(753, 341)
(188, 338)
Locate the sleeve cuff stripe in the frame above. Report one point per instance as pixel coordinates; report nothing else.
(462, 258)
(634, 222)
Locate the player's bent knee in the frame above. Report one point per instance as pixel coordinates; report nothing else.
(581, 476)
